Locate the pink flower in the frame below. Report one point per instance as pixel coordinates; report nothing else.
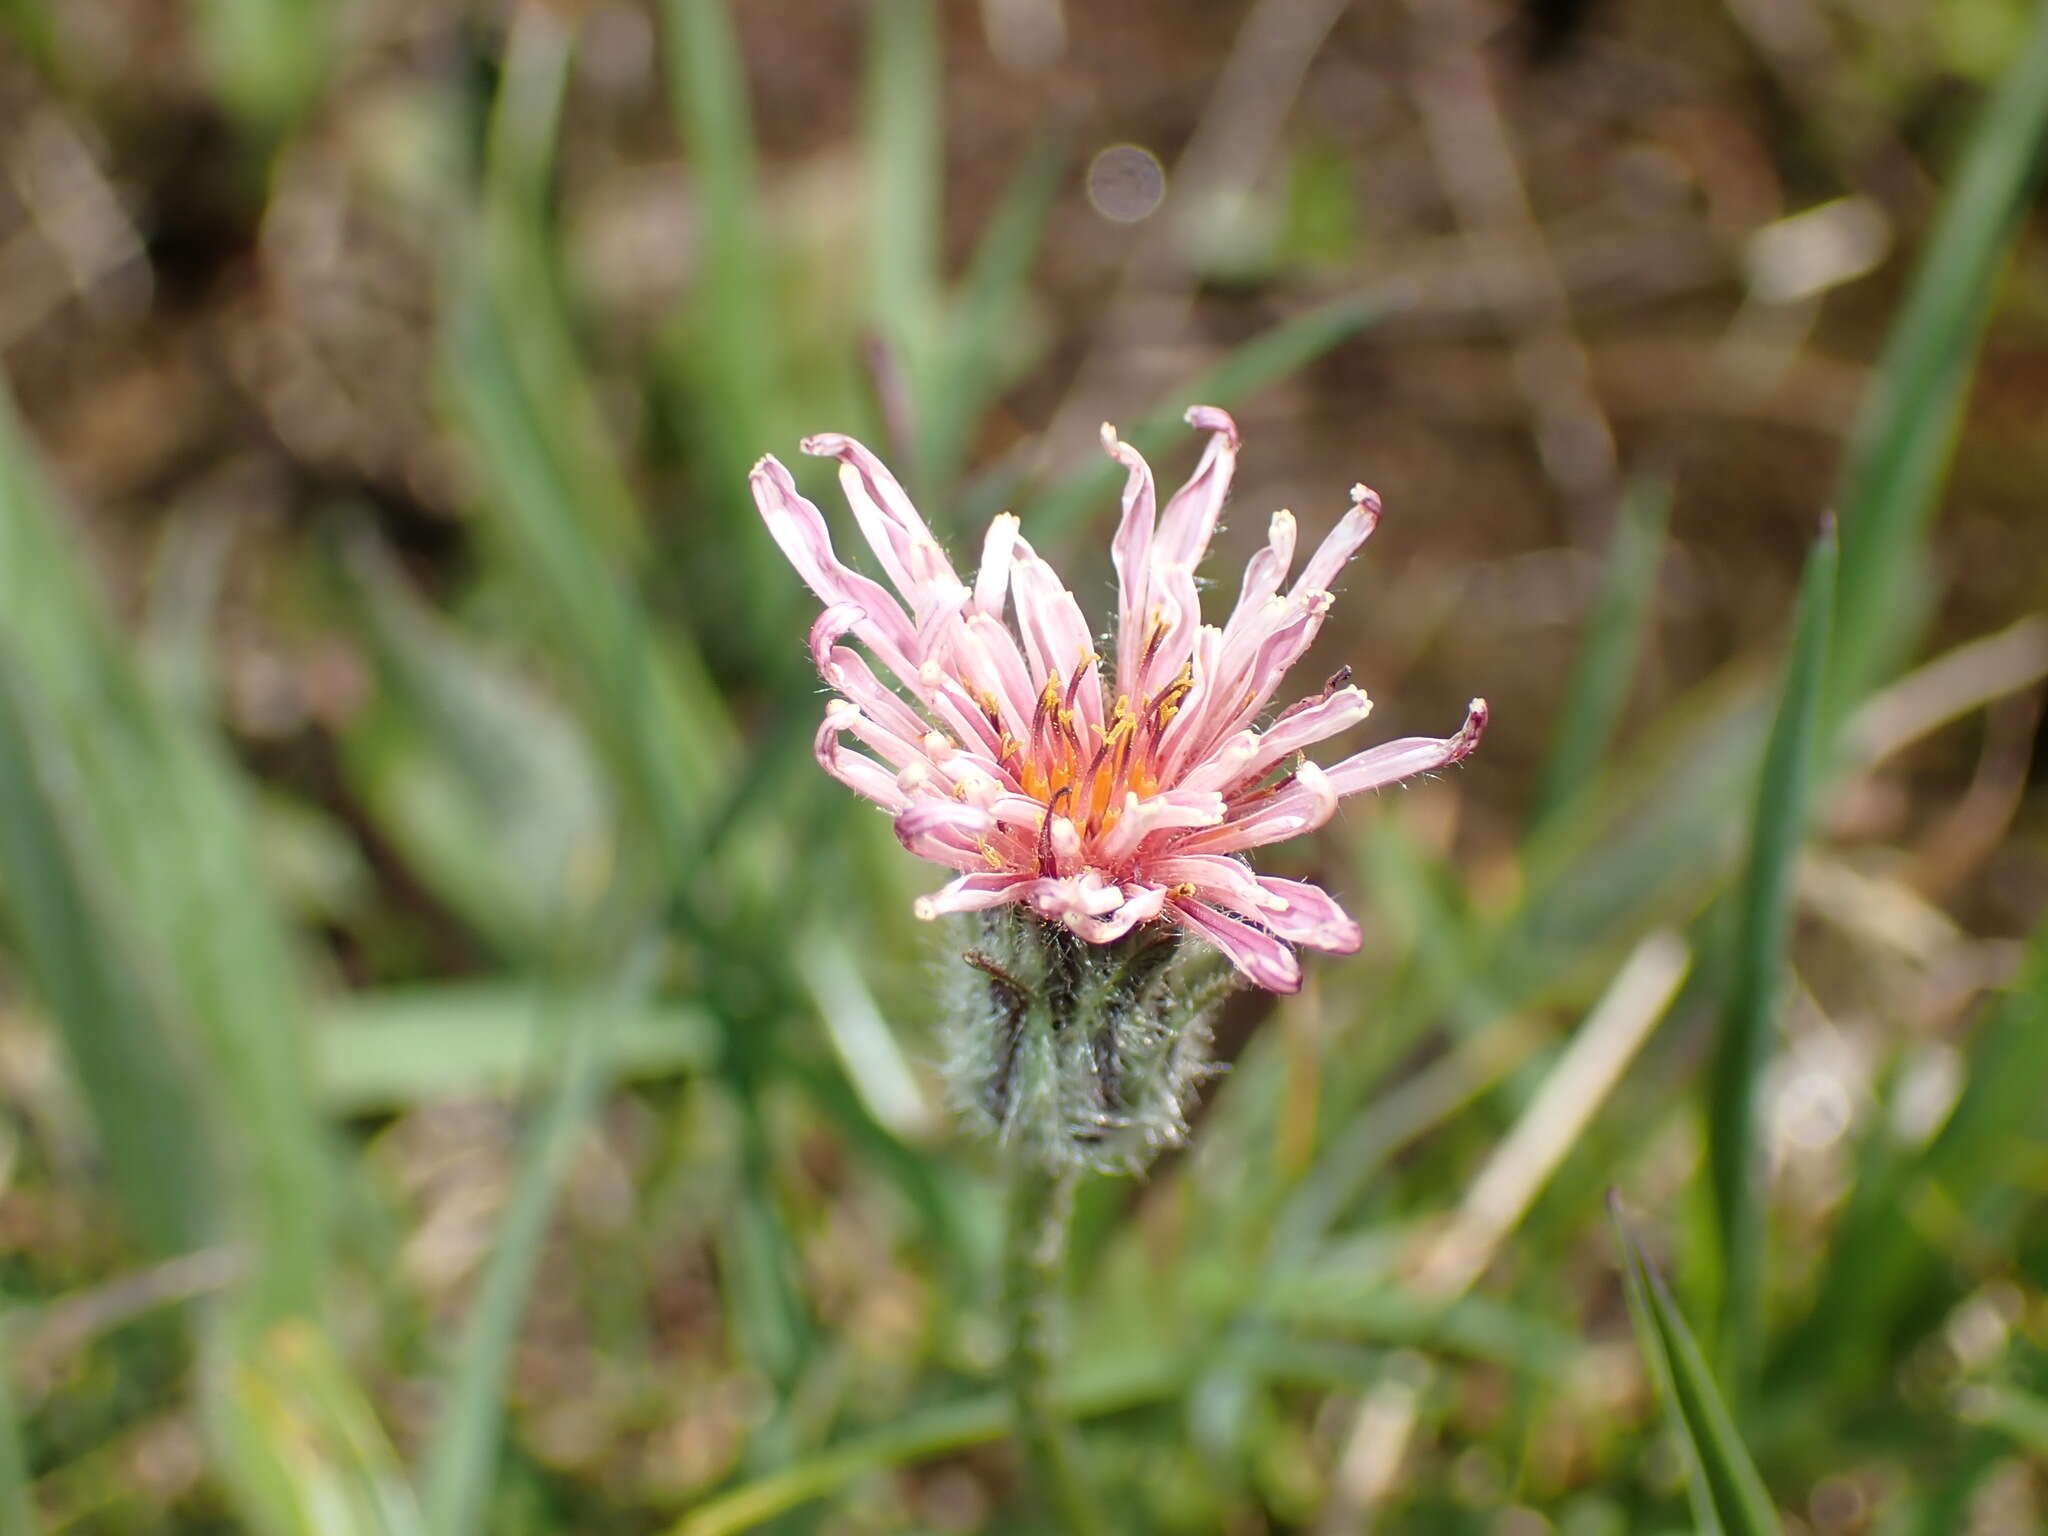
(1100, 800)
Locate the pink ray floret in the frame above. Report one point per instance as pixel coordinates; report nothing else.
(1101, 799)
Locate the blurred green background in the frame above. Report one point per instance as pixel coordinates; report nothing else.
(465, 1070)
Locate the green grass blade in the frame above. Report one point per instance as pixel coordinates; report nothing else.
(1900, 448)
(490, 790)
(518, 254)
(462, 1459)
(726, 341)
(659, 715)
(2019, 1415)
(391, 1049)
(1894, 1248)
(171, 831)
(17, 1495)
(1946, 1509)
(561, 503)
(301, 1443)
(903, 169)
(1764, 910)
(150, 1124)
(919, 1437)
(978, 349)
(1729, 1496)
(164, 838)
(1653, 845)
(1265, 359)
(1606, 664)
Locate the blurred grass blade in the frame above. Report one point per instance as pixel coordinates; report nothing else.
(17, 1494)
(391, 1049)
(1613, 862)
(2019, 1415)
(707, 94)
(562, 496)
(867, 1049)
(490, 789)
(171, 844)
(1114, 1387)
(1947, 1508)
(601, 631)
(150, 1125)
(461, 1462)
(1895, 1245)
(1606, 664)
(1900, 448)
(1338, 1297)
(551, 477)
(903, 168)
(1265, 359)
(979, 346)
(727, 338)
(175, 647)
(937, 1432)
(517, 249)
(1763, 916)
(303, 1446)
(1728, 1495)
(758, 1253)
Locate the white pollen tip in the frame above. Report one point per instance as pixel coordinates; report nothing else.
(839, 710)
(924, 909)
(1109, 437)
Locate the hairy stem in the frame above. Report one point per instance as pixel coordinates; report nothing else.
(1041, 1204)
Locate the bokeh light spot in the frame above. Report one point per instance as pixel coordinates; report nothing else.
(1125, 183)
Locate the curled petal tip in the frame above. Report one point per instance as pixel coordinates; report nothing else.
(1210, 418)
(1365, 510)
(1109, 437)
(1473, 728)
(837, 620)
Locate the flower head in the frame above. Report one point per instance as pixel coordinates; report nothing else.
(1100, 796)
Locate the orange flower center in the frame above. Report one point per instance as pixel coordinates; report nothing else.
(1088, 780)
